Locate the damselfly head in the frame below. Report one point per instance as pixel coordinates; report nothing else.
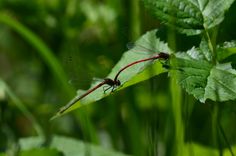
(164, 55)
(118, 83)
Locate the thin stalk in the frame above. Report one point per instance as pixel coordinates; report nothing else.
(136, 145)
(211, 47)
(177, 111)
(217, 129)
(176, 96)
(135, 19)
(214, 39)
(225, 138)
(215, 112)
(23, 109)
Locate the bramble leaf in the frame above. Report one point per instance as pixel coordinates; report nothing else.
(189, 16)
(192, 72)
(204, 80)
(221, 84)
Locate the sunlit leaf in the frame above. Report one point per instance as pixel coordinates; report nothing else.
(131, 75)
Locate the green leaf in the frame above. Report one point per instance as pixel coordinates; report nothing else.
(67, 146)
(204, 80)
(213, 11)
(189, 16)
(192, 72)
(221, 84)
(182, 15)
(132, 75)
(205, 50)
(226, 50)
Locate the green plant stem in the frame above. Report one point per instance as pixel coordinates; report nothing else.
(217, 128)
(22, 108)
(214, 39)
(211, 46)
(225, 138)
(176, 96)
(215, 111)
(135, 20)
(44, 52)
(177, 111)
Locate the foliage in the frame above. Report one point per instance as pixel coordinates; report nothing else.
(46, 44)
(199, 70)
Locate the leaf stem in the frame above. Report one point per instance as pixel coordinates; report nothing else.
(211, 47)
(176, 96)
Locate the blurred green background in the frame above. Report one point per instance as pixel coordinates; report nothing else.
(49, 49)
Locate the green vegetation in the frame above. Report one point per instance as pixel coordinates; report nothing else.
(177, 107)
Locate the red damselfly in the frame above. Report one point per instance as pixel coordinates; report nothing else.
(113, 83)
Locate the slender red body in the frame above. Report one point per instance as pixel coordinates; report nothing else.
(158, 56)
